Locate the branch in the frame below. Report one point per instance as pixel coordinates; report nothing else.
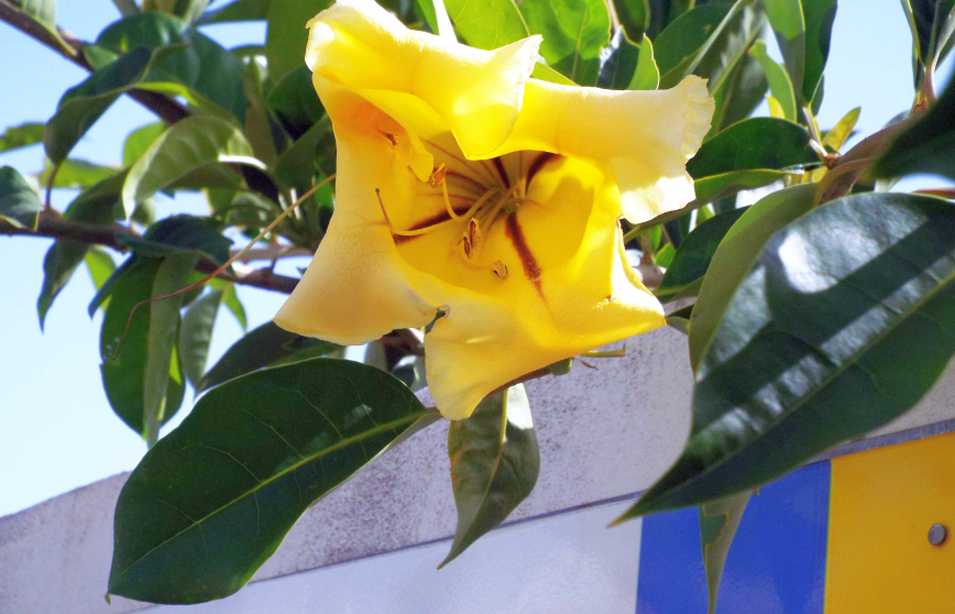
(71, 48)
(51, 225)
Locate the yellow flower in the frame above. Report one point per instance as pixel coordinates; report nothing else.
(469, 191)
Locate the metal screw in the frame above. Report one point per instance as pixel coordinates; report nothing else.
(937, 534)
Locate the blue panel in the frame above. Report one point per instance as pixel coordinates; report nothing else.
(777, 564)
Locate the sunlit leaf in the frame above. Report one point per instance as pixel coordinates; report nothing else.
(21, 135)
(574, 33)
(779, 83)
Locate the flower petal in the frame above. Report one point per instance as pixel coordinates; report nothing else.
(644, 137)
(427, 83)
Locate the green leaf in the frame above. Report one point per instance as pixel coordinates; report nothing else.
(756, 143)
(624, 65)
(171, 276)
(188, 10)
(125, 340)
(489, 24)
(179, 234)
(81, 106)
(184, 62)
(96, 205)
(294, 101)
(19, 203)
(100, 266)
(719, 521)
(189, 145)
(738, 94)
(803, 29)
(779, 83)
(692, 259)
(296, 167)
(835, 138)
(494, 464)
(265, 346)
(927, 145)
(230, 298)
(195, 335)
(839, 327)
(286, 36)
(139, 140)
(634, 16)
(713, 187)
(237, 10)
(932, 23)
(22, 135)
(76, 173)
(734, 258)
(208, 505)
(44, 11)
(574, 33)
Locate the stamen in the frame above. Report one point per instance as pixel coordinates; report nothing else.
(438, 178)
(499, 269)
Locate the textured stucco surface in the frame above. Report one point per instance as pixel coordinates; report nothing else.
(600, 439)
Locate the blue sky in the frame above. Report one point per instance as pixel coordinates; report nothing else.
(57, 431)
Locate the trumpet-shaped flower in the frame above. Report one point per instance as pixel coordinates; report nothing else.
(474, 198)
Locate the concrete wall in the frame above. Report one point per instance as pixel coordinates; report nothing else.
(602, 442)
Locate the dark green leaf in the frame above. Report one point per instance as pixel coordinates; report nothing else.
(124, 348)
(182, 233)
(208, 505)
(286, 36)
(81, 106)
(574, 33)
(841, 326)
(96, 205)
(494, 464)
(803, 29)
(634, 16)
(196, 334)
(691, 41)
(926, 146)
(188, 10)
(19, 203)
(624, 65)
(294, 101)
(22, 135)
(265, 346)
(189, 145)
(932, 23)
(757, 143)
(489, 24)
(689, 265)
(718, 523)
(738, 94)
(296, 167)
(734, 257)
(237, 10)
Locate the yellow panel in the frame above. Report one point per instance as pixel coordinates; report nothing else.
(881, 507)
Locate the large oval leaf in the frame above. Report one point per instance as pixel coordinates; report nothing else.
(494, 464)
(843, 324)
(208, 504)
(574, 32)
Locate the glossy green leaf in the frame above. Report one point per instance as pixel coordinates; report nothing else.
(96, 205)
(139, 140)
(574, 31)
(237, 10)
(489, 24)
(195, 335)
(634, 16)
(264, 346)
(171, 276)
(182, 233)
(81, 106)
(756, 143)
(927, 145)
(208, 505)
(685, 273)
(624, 65)
(734, 258)
(286, 36)
(803, 29)
(187, 146)
(21, 135)
(494, 464)
(840, 326)
(932, 23)
(19, 203)
(125, 346)
(738, 93)
(719, 521)
(779, 84)
(837, 136)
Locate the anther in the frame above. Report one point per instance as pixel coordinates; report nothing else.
(499, 269)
